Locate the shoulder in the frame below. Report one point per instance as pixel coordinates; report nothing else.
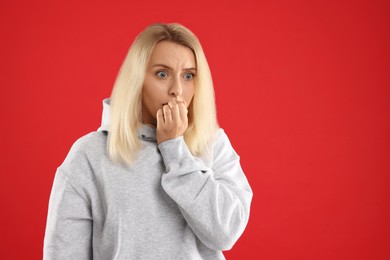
(221, 135)
(221, 140)
(222, 147)
(90, 142)
(90, 145)
(85, 152)
(83, 162)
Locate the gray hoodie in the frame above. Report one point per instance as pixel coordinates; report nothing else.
(168, 204)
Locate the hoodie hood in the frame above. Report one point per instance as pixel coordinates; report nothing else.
(105, 115)
(145, 132)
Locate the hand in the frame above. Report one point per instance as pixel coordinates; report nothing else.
(172, 121)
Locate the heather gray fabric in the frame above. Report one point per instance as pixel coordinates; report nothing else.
(167, 205)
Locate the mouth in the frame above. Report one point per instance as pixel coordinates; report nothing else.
(177, 102)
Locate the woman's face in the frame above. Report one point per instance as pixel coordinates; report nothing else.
(170, 76)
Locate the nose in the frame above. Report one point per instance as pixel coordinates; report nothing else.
(176, 89)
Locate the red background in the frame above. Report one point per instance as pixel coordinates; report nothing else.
(302, 91)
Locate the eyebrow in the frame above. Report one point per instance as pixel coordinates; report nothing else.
(167, 67)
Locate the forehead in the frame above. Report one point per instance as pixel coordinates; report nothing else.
(172, 54)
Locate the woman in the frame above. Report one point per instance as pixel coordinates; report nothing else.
(159, 179)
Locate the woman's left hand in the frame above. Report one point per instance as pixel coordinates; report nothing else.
(172, 121)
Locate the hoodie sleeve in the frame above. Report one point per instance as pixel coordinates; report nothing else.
(214, 201)
(69, 223)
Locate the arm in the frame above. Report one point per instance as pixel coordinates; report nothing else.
(69, 223)
(214, 201)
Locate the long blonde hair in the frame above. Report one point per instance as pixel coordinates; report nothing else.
(126, 97)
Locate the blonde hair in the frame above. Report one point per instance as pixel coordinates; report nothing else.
(126, 97)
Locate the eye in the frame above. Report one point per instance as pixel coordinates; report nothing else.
(189, 76)
(161, 74)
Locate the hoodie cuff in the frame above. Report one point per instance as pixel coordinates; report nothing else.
(176, 155)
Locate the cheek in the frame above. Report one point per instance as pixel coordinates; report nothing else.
(189, 94)
(151, 97)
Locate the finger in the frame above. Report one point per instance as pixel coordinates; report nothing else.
(175, 111)
(183, 112)
(160, 118)
(167, 114)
